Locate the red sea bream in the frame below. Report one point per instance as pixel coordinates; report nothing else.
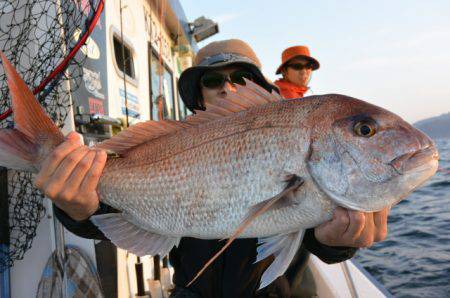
(255, 166)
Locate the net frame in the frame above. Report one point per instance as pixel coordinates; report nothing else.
(38, 37)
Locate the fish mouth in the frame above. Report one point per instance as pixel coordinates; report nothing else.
(413, 161)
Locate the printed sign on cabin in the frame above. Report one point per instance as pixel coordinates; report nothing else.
(158, 36)
(134, 107)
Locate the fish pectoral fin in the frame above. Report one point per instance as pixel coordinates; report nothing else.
(283, 248)
(128, 236)
(283, 199)
(293, 183)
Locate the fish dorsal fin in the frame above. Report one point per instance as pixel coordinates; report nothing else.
(244, 98)
(257, 94)
(141, 133)
(247, 96)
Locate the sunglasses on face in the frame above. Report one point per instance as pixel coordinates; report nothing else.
(217, 79)
(300, 66)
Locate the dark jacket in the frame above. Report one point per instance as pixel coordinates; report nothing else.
(233, 274)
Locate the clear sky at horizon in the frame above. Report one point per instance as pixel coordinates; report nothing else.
(395, 54)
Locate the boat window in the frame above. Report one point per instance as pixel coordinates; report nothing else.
(124, 61)
(162, 93)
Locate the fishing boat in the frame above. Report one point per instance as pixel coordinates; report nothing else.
(136, 53)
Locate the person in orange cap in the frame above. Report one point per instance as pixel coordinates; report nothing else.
(297, 65)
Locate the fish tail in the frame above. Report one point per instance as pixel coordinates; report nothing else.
(34, 134)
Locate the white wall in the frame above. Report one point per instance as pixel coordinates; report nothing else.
(134, 16)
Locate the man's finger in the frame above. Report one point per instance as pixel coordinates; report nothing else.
(72, 185)
(75, 138)
(380, 220)
(92, 177)
(331, 232)
(356, 226)
(52, 162)
(367, 236)
(340, 222)
(57, 180)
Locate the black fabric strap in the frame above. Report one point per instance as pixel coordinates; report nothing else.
(328, 254)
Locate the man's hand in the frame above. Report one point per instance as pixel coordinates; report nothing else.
(69, 177)
(353, 228)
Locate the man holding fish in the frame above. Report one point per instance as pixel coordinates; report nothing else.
(71, 173)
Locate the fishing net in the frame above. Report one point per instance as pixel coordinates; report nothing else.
(40, 38)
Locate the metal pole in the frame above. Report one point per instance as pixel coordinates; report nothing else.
(61, 252)
(349, 280)
(165, 262)
(5, 284)
(60, 243)
(123, 66)
(156, 267)
(139, 267)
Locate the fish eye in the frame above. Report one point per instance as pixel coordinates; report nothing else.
(365, 128)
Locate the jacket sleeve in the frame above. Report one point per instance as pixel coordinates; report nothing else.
(328, 254)
(85, 228)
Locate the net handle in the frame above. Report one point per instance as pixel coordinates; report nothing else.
(63, 65)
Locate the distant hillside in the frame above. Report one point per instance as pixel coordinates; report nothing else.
(436, 127)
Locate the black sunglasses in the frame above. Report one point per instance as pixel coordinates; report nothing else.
(300, 66)
(216, 79)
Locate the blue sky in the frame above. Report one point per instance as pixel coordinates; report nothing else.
(395, 54)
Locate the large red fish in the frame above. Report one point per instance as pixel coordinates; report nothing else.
(254, 167)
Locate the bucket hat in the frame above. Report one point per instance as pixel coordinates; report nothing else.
(214, 56)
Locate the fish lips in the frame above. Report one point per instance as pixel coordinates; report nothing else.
(415, 161)
(413, 170)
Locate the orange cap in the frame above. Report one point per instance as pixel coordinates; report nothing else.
(297, 51)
